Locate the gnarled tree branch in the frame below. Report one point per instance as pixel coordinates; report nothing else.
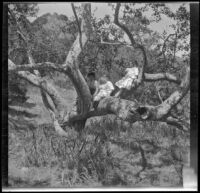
(37, 66)
(165, 107)
(123, 27)
(71, 63)
(161, 76)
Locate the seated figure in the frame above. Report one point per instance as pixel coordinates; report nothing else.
(92, 83)
(128, 81)
(105, 89)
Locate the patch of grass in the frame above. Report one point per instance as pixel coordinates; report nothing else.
(106, 155)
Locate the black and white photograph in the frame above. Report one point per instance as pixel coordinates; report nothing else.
(99, 95)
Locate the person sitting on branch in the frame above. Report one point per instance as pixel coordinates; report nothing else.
(128, 81)
(92, 83)
(104, 90)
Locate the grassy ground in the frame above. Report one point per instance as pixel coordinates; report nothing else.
(54, 174)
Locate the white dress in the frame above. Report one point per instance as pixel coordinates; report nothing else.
(128, 79)
(104, 91)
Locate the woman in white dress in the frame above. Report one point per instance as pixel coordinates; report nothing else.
(128, 81)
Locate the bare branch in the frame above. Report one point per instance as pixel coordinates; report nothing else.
(37, 66)
(37, 81)
(115, 43)
(46, 102)
(161, 76)
(85, 31)
(159, 96)
(142, 66)
(60, 131)
(165, 107)
(178, 123)
(54, 95)
(71, 63)
(123, 27)
(79, 28)
(45, 86)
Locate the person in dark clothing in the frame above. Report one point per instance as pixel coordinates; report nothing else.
(92, 83)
